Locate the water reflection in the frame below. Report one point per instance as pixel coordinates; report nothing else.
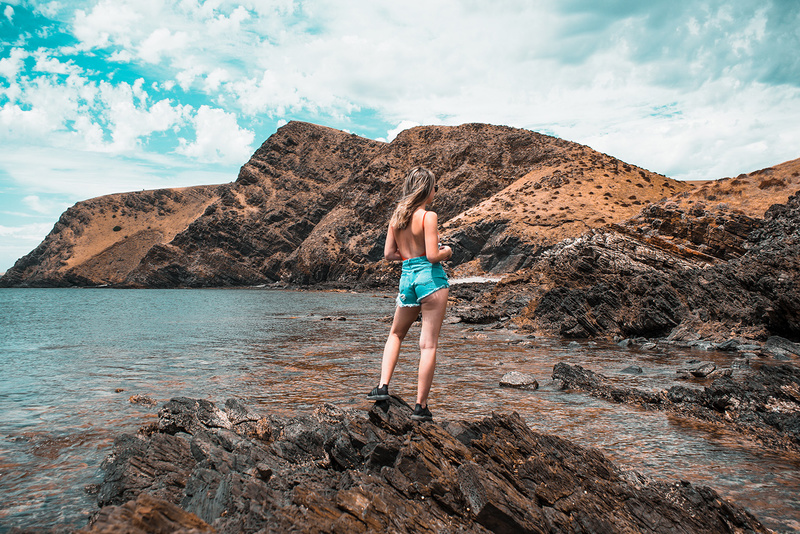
(68, 352)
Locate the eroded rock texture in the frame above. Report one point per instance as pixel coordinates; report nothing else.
(347, 471)
(745, 284)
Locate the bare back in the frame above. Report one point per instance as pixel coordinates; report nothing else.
(419, 238)
(411, 239)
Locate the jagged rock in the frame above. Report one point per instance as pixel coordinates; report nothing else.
(188, 415)
(515, 379)
(762, 404)
(730, 345)
(146, 515)
(778, 346)
(609, 282)
(703, 370)
(344, 471)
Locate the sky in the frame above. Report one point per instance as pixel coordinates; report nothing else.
(100, 97)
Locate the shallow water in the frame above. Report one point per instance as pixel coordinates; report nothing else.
(64, 353)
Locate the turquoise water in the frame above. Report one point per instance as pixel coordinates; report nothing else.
(70, 359)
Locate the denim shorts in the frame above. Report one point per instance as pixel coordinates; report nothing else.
(419, 279)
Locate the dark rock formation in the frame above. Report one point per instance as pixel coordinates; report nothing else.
(347, 471)
(147, 515)
(762, 405)
(610, 282)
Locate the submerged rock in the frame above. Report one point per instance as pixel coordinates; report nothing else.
(346, 471)
(518, 380)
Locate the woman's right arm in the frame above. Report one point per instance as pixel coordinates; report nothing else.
(390, 251)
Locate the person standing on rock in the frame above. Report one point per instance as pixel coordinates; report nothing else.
(413, 238)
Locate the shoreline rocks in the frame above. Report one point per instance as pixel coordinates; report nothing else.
(762, 405)
(351, 471)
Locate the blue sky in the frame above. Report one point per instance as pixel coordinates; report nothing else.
(107, 96)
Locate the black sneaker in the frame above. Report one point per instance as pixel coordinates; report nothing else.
(381, 393)
(421, 414)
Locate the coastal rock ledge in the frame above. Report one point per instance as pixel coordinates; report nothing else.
(202, 468)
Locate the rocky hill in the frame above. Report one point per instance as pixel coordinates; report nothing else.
(99, 241)
(311, 206)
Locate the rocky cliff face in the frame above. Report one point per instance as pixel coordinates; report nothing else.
(667, 272)
(312, 204)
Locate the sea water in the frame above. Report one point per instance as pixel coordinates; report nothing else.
(72, 359)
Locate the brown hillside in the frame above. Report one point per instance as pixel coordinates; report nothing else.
(584, 189)
(100, 240)
(311, 205)
(750, 194)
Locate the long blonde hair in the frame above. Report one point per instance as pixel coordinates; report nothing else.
(418, 186)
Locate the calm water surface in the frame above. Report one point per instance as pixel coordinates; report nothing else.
(65, 353)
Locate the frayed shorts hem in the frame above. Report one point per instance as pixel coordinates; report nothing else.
(401, 304)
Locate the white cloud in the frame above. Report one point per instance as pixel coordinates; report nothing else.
(9, 13)
(130, 122)
(43, 206)
(161, 42)
(404, 125)
(121, 56)
(49, 10)
(53, 65)
(215, 78)
(107, 22)
(228, 25)
(11, 65)
(186, 78)
(218, 138)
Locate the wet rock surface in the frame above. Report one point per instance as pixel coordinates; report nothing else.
(518, 380)
(351, 471)
(762, 404)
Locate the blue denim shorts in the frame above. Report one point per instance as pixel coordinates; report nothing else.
(419, 279)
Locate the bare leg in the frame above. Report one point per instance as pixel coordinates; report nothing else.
(403, 319)
(433, 310)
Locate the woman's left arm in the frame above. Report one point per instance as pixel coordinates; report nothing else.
(430, 228)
